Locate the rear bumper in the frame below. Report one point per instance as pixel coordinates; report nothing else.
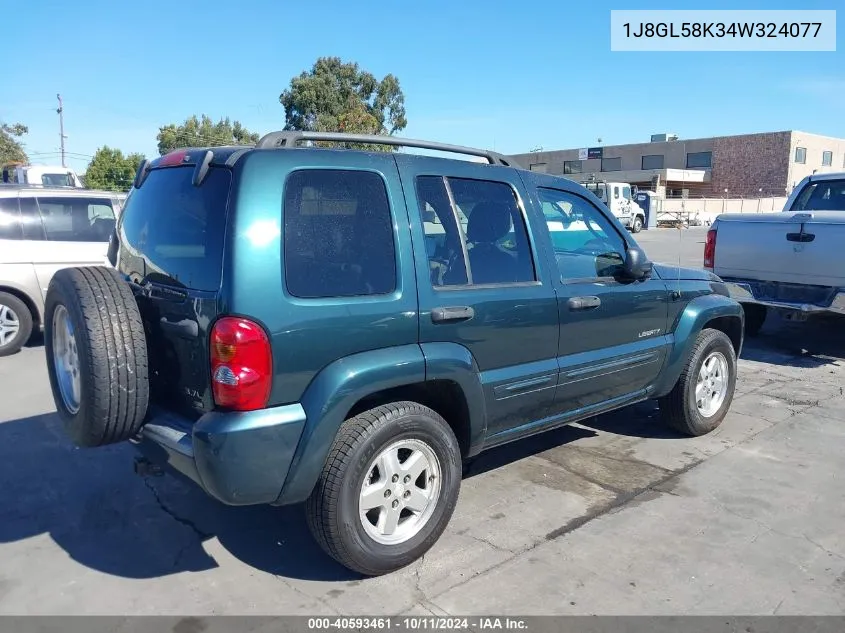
(806, 299)
(238, 458)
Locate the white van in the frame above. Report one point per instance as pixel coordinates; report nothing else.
(42, 230)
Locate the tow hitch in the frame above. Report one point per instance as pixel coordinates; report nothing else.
(145, 468)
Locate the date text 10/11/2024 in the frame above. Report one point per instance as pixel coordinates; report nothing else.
(414, 623)
(721, 29)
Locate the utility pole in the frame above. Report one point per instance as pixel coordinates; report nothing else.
(62, 136)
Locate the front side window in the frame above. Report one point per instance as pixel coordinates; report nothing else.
(626, 192)
(338, 234)
(585, 244)
(475, 233)
(699, 160)
(827, 159)
(76, 219)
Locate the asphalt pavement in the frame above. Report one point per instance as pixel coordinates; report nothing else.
(614, 516)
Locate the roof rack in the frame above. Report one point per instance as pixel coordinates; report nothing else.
(291, 138)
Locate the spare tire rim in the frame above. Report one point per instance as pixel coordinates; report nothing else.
(712, 384)
(66, 359)
(10, 325)
(400, 492)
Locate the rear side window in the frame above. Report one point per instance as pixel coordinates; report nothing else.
(824, 195)
(76, 219)
(10, 222)
(338, 234)
(175, 229)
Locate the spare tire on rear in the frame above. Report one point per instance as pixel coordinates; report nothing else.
(96, 355)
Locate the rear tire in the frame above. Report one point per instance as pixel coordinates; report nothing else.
(637, 224)
(350, 523)
(96, 355)
(755, 317)
(15, 324)
(682, 409)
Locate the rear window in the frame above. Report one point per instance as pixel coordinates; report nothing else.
(175, 228)
(824, 195)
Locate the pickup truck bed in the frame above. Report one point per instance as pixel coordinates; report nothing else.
(791, 260)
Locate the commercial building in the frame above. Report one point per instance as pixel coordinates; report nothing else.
(761, 165)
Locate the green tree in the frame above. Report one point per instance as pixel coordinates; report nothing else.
(203, 132)
(11, 149)
(110, 170)
(337, 96)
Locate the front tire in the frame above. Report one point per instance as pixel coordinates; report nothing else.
(15, 324)
(388, 489)
(703, 394)
(637, 225)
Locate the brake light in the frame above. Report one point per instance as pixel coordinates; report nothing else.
(710, 249)
(241, 364)
(173, 158)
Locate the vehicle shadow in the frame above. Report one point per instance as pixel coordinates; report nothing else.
(813, 343)
(107, 518)
(93, 506)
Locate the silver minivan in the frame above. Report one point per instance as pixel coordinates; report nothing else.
(42, 230)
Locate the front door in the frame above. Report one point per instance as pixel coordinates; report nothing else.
(612, 331)
(481, 284)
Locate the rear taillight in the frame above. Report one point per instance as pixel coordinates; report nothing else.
(710, 249)
(241, 364)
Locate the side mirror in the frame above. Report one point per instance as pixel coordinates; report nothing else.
(636, 266)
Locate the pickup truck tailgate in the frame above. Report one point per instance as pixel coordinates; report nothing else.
(792, 247)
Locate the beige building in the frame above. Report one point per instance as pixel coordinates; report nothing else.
(745, 166)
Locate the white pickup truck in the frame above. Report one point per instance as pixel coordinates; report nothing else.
(792, 261)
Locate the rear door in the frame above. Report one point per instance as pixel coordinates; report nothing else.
(481, 284)
(64, 231)
(171, 238)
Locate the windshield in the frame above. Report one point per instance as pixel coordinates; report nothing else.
(827, 195)
(56, 180)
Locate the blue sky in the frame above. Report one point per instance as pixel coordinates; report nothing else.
(505, 75)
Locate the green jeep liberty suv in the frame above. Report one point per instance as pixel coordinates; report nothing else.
(344, 328)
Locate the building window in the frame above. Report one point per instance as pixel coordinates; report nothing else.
(540, 167)
(699, 160)
(572, 167)
(827, 159)
(653, 161)
(611, 164)
(801, 155)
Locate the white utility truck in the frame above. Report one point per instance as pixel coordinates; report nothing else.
(619, 198)
(45, 175)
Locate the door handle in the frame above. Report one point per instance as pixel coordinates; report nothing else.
(584, 303)
(450, 314)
